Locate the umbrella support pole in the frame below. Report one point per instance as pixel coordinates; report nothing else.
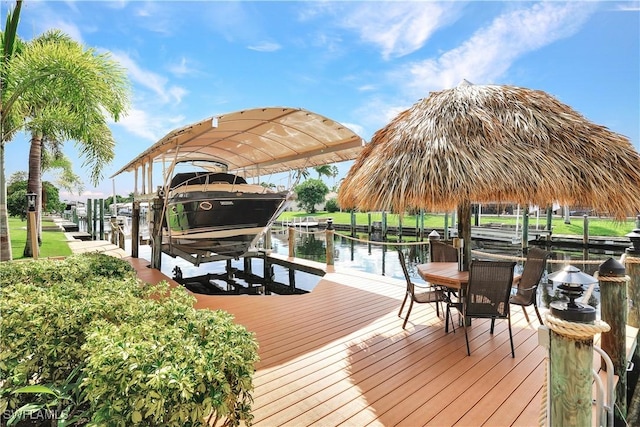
(464, 232)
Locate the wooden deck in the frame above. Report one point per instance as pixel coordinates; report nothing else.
(339, 356)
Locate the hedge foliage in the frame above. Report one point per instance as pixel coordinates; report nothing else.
(139, 354)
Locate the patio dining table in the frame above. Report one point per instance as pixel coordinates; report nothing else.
(447, 274)
(444, 274)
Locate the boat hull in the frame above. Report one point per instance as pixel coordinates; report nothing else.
(221, 222)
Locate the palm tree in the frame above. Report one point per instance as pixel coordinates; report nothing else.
(326, 170)
(62, 92)
(94, 97)
(9, 44)
(53, 159)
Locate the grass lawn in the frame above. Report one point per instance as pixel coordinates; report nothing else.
(597, 226)
(54, 243)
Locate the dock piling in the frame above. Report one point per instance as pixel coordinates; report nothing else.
(613, 309)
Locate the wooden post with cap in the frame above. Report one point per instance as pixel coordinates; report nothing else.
(572, 327)
(613, 310)
(329, 241)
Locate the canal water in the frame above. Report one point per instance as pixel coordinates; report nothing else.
(381, 258)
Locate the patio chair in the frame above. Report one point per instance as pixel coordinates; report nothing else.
(427, 294)
(487, 294)
(527, 287)
(442, 252)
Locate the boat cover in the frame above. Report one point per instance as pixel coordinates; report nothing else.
(256, 142)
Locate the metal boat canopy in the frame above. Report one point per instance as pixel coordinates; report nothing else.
(255, 142)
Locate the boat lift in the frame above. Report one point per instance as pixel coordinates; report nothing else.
(253, 143)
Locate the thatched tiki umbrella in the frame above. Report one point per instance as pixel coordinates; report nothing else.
(501, 144)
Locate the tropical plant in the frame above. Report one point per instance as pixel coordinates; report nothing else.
(9, 43)
(57, 91)
(78, 112)
(83, 337)
(310, 193)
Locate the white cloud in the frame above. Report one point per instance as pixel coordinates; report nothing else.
(181, 68)
(628, 6)
(491, 51)
(152, 81)
(265, 46)
(402, 27)
(356, 128)
(140, 123)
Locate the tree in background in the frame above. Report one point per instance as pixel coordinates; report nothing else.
(310, 193)
(59, 91)
(17, 200)
(330, 171)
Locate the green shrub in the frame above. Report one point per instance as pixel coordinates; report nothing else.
(177, 375)
(89, 318)
(332, 206)
(73, 268)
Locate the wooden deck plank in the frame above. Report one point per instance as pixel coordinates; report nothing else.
(519, 401)
(339, 356)
(443, 397)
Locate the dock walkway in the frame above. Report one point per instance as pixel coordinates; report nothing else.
(339, 356)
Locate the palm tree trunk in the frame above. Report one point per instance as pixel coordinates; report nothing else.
(34, 185)
(5, 238)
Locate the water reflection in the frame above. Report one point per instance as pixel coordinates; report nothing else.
(381, 258)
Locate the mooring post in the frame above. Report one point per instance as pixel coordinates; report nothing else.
(89, 217)
(292, 242)
(399, 228)
(353, 223)
(384, 226)
(632, 264)
(585, 229)
(114, 229)
(121, 236)
(329, 241)
(369, 229)
(569, 338)
(101, 218)
(135, 229)
(476, 214)
(549, 221)
(613, 311)
(96, 234)
(267, 272)
(156, 231)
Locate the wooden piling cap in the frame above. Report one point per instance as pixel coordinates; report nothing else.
(611, 268)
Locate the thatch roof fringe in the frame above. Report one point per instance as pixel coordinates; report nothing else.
(493, 143)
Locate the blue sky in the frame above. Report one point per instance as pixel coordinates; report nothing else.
(359, 63)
